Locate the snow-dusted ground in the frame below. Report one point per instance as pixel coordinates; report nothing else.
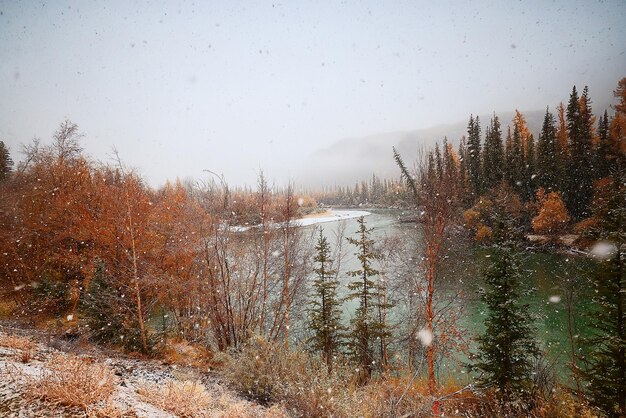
(131, 374)
(334, 215)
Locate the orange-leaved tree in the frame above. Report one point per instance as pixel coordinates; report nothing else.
(553, 216)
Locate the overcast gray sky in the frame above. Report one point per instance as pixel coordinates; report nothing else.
(238, 86)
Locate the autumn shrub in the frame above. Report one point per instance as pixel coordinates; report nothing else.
(553, 216)
(17, 342)
(562, 404)
(392, 397)
(183, 398)
(73, 381)
(269, 373)
(471, 218)
(484, 234)
(191, 399)
(22, 347)
(110, 410)
(183, 352)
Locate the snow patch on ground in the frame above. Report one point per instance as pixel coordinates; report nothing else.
(335, 215)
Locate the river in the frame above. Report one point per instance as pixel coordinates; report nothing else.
(552, 276)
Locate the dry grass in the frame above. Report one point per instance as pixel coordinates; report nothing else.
(17, 342)
(73, 381)
(269, 373)
(110, 410)
(23, 348)
(191, 399)
(185, 353)
(185, 399)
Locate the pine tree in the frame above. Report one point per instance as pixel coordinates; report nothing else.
(325, 311)
(508, 158)
(547, 154)
(6, 163)
(602, 163)
(473, 155)
(108, 315)
(493, 155)
(579, 190)
(530, 158)
(517, 169)
(450, 159)
(507, 347)
(463, 175)
(562, 150)
(365, 326)
(604, 362)
(438, 162)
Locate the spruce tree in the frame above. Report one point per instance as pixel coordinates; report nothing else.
(508, 158)
(325, 310)
(602, 164)
(547, 154)
(466, 198)
(474, 165)
(450, 163)
(493, 155)
(365, 326)
(438, 162)
(603, 364)
(507, 347)
(108, 316)
(517, 169)
(530, 159)
(579, 130)
(6, 163)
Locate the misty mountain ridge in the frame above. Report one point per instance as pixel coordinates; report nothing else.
(354, 159)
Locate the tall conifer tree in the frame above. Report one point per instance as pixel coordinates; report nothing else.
(507, 347)
(493, 155)
(6, 163)
(365, 325)
(602, 163)
(474, 165)
(325, 310)
(547, 154)
(579, 174)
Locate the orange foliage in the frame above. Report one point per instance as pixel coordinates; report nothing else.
(553, 216)
(472, 218)
(484, 234)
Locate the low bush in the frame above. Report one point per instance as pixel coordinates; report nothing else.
(73, 381)
(183, 398)
(268, 373)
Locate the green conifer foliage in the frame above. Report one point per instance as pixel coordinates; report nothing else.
(602, 163)
(493, 155)
(6, 163)
(507, 347)
(603, 362)
(325, 309)
(579, 190)
(474, 166)
(365, 325)
(547, 154)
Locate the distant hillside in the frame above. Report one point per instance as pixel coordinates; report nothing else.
(354, 159)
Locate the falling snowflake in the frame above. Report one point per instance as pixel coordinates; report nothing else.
(425, 336)
(554, 299)
(603, 250)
